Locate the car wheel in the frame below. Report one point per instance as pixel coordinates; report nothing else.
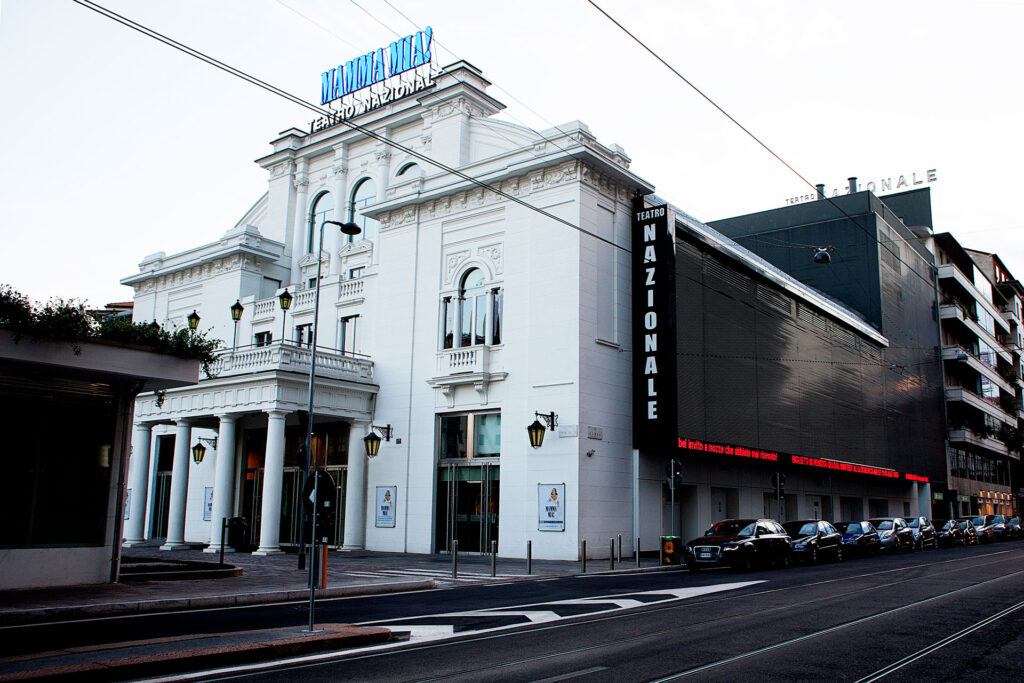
(919, 545)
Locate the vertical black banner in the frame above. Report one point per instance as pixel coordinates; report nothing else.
(654, 329)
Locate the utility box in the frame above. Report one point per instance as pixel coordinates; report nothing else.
(671, 550)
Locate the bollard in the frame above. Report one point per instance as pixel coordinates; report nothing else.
(223, 533)
(529, 557)
(611, 554)
(455, 559)
(583, 556)
(494, 558)
(618, 555)
(636, 552)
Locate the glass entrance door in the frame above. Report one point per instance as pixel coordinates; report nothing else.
(467, 507)
(291, 505)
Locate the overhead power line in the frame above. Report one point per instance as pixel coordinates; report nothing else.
(753, 137)
(238, 73)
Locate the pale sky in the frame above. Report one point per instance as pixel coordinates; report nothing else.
(115, 146)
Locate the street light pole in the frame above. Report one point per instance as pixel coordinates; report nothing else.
(348, 229)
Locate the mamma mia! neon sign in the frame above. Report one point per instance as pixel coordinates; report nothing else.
(403, 55)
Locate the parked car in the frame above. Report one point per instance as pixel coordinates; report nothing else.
(1013, 528)
(894, 533)
(949, 533)
(859, 538)
(740, 544)
(999, 528)
(924, 533)
(988, 530)
(814, 539)
(971, 536)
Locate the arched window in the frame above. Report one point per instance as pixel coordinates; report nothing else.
(363, 196)
(323, 210)
(414, 168)
(474, 317)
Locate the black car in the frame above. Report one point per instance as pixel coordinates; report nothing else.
(894, 533)
(924, 533)
(987, 528)
(740, 544)
(950, 533)
(1014, 530)
(814, 539)
(971, 536)
(859, 538)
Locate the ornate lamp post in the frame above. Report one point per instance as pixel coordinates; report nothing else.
(536, 430)
(193, 320)
(236, 315)
(372, 440)
(348, 229)
(285, 299)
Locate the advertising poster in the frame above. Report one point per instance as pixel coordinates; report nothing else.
(551, 507)
(208, 504)
(386, 498)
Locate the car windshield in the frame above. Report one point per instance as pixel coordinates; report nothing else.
(884, 525)
(732, 527)
(801, 529)
(1014, 520)
(849, 527)
(998, 519)
(963, 524)
(949, 525)
(978, 521)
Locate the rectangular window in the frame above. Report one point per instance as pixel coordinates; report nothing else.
(487, 435)
(466, 331)
(304, 334)
(448, 316)
(347, 334)
(269, 288)
(470, 436)
(263, 338)
(480, 320)
(311, 284)
(454, 435)
(496, 314)
(353, 273)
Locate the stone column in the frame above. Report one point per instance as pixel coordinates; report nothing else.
(301, 222)
(135, 529)
(355, 488)
(273, 475)
(179, 487)
(223, 481)
(338, 238)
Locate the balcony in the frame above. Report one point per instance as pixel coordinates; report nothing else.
(949, 272)
(962, 355)
(470, 365)
(954, 312)
(990, 407)
(964, 435)
(289, 357)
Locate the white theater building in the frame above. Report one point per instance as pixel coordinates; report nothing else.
(455, 317)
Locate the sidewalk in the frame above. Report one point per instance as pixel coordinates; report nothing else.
(271, 579)
(263, 580)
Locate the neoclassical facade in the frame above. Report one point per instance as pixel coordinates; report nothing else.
(455, 316)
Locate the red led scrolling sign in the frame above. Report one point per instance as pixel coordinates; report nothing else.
(772, 456)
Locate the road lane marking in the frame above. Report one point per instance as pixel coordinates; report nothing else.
(938, 645)
(832, 629)
(574, 674)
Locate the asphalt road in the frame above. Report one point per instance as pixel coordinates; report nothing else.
(954, 614)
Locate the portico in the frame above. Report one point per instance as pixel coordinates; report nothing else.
(252, 390)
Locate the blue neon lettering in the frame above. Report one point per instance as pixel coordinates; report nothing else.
(327, 87)
(402, 55)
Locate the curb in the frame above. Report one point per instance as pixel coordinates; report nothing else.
(73, 612)
(335, 637)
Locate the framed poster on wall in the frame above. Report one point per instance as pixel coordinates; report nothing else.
(387, 497)
(208, 504)
(551, 507)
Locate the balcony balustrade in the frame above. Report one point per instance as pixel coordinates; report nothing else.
(288, 357)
